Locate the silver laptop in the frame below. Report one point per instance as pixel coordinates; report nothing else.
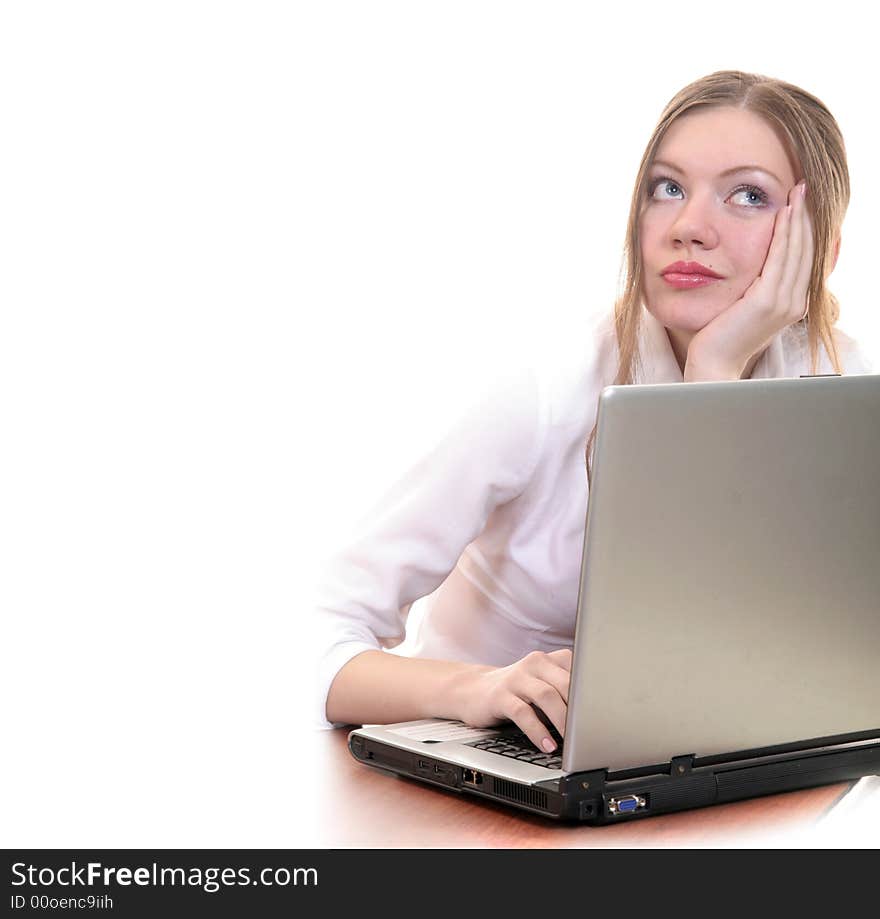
(727, 642)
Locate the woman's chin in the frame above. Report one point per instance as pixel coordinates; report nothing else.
(686, 317)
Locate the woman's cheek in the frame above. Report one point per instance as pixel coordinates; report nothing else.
(647, 230)
(758, 246)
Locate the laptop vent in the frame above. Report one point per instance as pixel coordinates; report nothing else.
(521, 793)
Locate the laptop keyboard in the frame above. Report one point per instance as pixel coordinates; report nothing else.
(518, 746)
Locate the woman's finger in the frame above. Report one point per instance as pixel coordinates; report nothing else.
(539, 680)
(521, 713)
(558, 677)
(547, 698)
(794, 253)
(562, 657)
(802, 281)
(771, 272)
(553, 668)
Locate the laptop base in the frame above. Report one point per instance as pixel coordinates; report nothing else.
(590, 797)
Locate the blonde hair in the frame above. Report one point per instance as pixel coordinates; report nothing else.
(816, 144)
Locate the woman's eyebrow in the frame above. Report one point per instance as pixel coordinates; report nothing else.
(721, 175)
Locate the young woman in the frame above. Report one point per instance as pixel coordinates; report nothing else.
(733, 230)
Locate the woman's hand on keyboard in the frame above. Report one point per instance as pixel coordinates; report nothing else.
(494, 695)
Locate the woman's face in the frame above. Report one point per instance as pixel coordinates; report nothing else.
(698, 210)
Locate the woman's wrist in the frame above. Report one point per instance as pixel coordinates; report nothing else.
(456, 691)
(708, 373)
(706, 368)
(377, 687)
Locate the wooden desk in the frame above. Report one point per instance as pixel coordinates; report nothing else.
(363, 808)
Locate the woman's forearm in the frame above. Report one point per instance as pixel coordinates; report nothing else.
(380, 688)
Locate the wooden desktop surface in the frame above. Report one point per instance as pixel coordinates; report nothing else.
(362, 807)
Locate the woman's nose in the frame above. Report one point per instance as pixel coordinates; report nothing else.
(695, 223)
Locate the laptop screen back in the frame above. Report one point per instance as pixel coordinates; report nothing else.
(730, 587)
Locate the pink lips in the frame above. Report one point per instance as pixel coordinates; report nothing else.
(686, 275)
(687, 281)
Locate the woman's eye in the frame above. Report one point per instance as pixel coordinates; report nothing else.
(666, 185)
(749, 195)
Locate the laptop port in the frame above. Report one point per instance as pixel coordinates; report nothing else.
(627, 804)
(472, 777)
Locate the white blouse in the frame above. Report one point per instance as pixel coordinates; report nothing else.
(475, 554)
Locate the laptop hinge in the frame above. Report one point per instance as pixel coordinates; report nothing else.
(680, 766)
(583, 781)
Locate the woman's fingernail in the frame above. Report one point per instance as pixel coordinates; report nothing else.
(803, 191)
(548, 745)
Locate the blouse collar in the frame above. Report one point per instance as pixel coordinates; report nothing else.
(660, 365)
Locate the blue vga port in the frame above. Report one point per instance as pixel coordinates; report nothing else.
(625, 804)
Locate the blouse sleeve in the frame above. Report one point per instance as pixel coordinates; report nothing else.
(411, 540)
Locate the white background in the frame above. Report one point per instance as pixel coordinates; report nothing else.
(253, 254)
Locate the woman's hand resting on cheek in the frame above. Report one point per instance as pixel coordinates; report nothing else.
(777, 298)
(508, 693)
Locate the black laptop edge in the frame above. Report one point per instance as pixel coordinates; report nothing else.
(602, 797)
